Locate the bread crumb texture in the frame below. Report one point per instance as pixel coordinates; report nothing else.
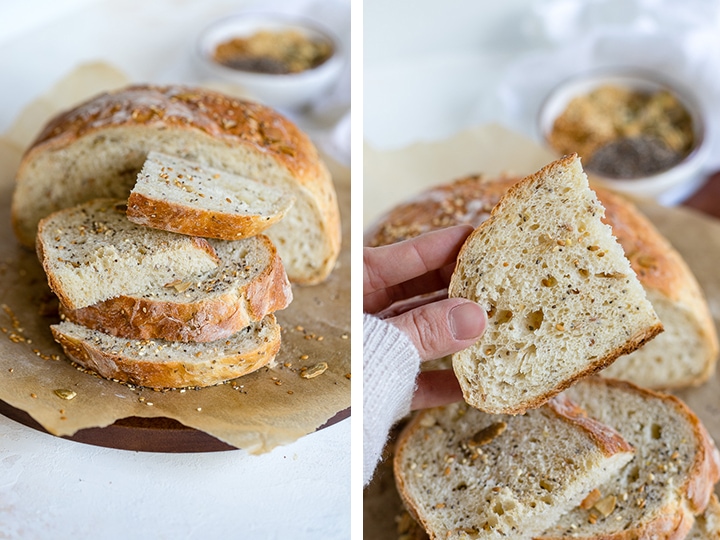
(561, 297)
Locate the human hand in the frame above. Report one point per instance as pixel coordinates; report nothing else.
(405, 284)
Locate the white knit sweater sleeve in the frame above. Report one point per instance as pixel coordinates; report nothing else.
(390, 366)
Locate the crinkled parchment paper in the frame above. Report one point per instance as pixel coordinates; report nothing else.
(492, 150)
(270, 407)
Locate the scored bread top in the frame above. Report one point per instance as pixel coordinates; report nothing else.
(463, 473)
(97, 148)
(92, 252)
(248, 283)
(182, 196)
(562, 299)
(670, 478)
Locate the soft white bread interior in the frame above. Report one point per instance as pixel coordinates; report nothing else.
(562, 299)
(669, 480)
(170, 364)
(463, 473)
(182, 196)
(249, 283)
(92, 252)
(97, 149)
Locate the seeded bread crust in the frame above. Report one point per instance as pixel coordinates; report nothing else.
(119, 129)
(609, 278)
(213, 306)
(164, 364)
(596, 451)
(178, 195)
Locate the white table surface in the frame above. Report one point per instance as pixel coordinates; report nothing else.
(54, 488)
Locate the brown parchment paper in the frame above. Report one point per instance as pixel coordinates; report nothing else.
(270, 407)
(492, 150)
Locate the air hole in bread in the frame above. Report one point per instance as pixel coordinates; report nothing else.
(584, 272)
(547, 486)
(549, 281)
(534, 227)
(503, 316)
(655, 431)
(498, 509)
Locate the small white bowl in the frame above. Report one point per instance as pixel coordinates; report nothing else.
(686, 172)
(291, 91)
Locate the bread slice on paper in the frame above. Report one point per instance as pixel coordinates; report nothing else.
(562, 299)
(92, 252)
(171, 364)
(668, 482)
(463, 473)
(183, 196)
(249, 283)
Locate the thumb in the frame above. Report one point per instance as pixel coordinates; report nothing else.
(441, 328)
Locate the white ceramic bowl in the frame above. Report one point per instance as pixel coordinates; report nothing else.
(289, 91)
(686, 172)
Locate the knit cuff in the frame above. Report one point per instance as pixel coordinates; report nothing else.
(390, 366)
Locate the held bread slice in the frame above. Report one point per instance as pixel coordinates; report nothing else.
(684, 354)
(97, 149)
(92, 252)
(670, 479)
(463, 473)
(561, 297)
(181, 196)
(249, 283)
(170, 364)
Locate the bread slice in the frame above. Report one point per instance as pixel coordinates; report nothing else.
(97, 149)
(670, 479)
(249, 283)
(707, 525)
(92, 252)
(684, 354)
(463, 473)
(181, 196)
(561, 297)
(170, 364)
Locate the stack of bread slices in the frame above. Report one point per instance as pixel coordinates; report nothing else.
(542, 447)
(175, 286)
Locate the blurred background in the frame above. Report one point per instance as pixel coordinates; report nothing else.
(440, 68)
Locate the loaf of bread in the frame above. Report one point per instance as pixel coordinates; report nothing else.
(463, 473)
(92, 252)
(561, 298)
(98, 148)
(182, 196)
(170, 364)
(684, 354)
(249, 283)
(667, 483)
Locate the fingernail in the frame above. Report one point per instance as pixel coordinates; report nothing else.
(467, 321)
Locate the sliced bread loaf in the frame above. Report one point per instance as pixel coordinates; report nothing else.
(182, 196)
(463, 473)
(97, 149)
(686, 352)
(92, 252)
(249, 283)
(170, 364)
(670, 479)
(561, 298)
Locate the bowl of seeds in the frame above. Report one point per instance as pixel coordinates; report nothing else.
(636, 131)
(281, 60)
